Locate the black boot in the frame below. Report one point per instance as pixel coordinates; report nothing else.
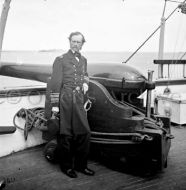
(87, 171)
(70, 172)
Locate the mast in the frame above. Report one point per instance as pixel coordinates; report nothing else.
(161, 42)
(3, 19)
(181, 6)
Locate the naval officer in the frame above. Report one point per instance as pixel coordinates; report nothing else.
(74, 136)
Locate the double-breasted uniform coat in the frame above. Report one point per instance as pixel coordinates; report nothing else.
(69, 74)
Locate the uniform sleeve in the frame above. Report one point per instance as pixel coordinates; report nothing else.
(86, 77)
(56, 80)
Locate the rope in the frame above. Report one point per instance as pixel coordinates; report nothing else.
(149, 37)
(176, 69)
(152, 34)
(34, 118)
(182, 56)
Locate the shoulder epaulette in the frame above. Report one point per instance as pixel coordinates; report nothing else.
(84, 57)
(61, 56)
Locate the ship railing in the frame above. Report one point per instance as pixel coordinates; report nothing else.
(172, 69)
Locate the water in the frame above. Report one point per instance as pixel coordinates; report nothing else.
(142, 61)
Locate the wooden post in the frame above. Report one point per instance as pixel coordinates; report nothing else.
(161, 42)
(148, 101)
(4, 15)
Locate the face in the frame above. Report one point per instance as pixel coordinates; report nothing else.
(76, 43)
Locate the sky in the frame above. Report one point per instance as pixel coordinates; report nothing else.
(108, 25)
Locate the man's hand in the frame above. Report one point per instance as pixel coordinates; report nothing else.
(85, 87)
(55, 109)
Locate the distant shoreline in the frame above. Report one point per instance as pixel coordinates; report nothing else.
(89, 51)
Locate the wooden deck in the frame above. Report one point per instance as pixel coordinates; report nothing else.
(29, 170)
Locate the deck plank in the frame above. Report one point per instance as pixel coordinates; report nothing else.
(29, 170)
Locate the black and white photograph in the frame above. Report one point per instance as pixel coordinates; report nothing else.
(93, 95)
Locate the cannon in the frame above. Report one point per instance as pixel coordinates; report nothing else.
(118, 126)
(119, 123)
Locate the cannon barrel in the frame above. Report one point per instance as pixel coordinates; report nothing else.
(115, 76)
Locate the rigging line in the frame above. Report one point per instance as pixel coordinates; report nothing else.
(182, 56)
(175, 46)
(178, 68)
(150, 36)
(174, 51)
(182, 44)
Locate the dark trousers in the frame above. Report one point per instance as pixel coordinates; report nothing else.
(73, 151)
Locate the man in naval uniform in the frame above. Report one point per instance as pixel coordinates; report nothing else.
(70, 74)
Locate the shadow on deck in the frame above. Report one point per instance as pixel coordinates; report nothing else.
(29, 170)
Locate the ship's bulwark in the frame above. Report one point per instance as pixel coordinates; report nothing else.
(29, 170)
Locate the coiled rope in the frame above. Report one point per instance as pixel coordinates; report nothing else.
(34, 118)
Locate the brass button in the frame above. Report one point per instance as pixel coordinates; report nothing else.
(77, 88)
